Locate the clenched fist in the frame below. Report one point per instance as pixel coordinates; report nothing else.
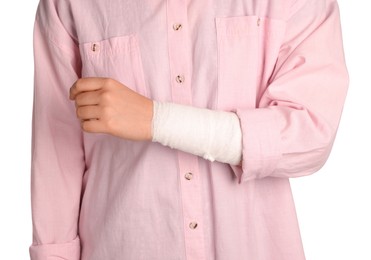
(106, 106)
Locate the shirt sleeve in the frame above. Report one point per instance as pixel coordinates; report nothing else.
(57, 157)
(291, 132)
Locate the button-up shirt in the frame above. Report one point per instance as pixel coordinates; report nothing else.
(278, 64)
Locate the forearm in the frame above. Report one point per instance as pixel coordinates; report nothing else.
(213, 135)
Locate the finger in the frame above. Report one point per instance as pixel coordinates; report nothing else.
(88, 112)
(86, 84)
(93, 126)
(87, 98)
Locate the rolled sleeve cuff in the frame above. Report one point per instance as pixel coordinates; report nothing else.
(261, 149)
(65, 251)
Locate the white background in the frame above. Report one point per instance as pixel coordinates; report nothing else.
(333, 205)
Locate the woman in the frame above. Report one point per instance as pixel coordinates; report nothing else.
(170, 129)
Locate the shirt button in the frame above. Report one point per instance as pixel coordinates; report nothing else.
(94, 47)
(188, 175)
(193, 225)
(177, 26)
(180, 79)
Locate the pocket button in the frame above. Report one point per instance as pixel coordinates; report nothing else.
(258, 22)
(94, 47)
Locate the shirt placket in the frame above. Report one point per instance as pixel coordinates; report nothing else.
(189, 180)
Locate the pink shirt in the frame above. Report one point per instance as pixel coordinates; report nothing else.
(279, 64)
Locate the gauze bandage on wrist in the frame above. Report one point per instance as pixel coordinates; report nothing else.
(213, 135)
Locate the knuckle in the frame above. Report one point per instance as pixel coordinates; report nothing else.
(78, 83)
(109, 125)
(85, 126)
(106, 96)
(79, 112)
(78, 99)
(108, 82)
(106, 111)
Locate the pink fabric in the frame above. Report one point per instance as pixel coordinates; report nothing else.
(278, 64)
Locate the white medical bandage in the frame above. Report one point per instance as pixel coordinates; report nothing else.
(211, 134)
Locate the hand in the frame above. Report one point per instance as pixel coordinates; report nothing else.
(106, 106)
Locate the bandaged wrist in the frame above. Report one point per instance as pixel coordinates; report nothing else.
(211, 134)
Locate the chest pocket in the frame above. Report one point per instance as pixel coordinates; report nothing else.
(118, 58)
(246, 45)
